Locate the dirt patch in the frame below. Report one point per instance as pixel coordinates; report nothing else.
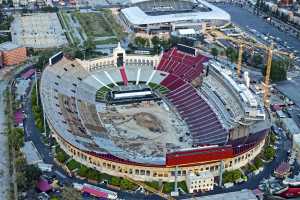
(148, 121)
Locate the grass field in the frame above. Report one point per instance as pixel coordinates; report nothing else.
(94, 24)
(118, 31)
(107, 41)
(101, 93)
(160, 88)
(100, 24)
(64, 20)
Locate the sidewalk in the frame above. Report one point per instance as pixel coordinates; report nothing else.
(4, 162)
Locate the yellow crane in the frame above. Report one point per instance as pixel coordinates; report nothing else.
(270, 51)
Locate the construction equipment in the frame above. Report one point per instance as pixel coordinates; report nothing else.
(245, 44)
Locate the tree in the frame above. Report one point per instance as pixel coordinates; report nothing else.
(155, 41)
(83, 171)
(278, 70)
(61, 156)
(236, 174)
(127, 185)
(166, 43)
(140, 42)
(214, 52)
(258, 163)
(49, 9)
(89, 46)
(252, 168)
(16, 138)
(257, 60)
(32, 174)
(69, 193)
(27, 176)
(115, 181)
(168, 187)
(44, 57)
(21, 181)
(269, 153)
(231, 54)
(231, 176)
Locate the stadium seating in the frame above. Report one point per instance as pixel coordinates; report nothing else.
(74, 103)
(203, 123)
(89, 117)
(183, 65)
(165, 6)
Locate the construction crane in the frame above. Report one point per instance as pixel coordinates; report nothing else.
(270, 51)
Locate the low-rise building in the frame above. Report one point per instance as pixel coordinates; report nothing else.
(290, 126)
(200, 182)
(11, 54)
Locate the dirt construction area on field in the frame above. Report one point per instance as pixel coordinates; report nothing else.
(148, 129)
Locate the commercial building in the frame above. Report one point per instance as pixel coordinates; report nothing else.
(11, 54)
(200, 182)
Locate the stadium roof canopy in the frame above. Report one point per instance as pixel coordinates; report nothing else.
(138, 17)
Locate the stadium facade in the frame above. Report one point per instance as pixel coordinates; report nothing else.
(168, 15)
(216, 118)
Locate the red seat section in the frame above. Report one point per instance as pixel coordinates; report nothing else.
(182, 65)
(203, 123)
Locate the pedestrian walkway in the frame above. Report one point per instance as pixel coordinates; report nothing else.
(4, 162)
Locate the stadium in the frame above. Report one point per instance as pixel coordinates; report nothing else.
(142, 116)
(154, 16)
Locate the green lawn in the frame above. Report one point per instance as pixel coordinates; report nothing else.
(160, 88)
(101, 93)
(100, 24)
(107, 41)
(94, 24)
(73, 164)
(115, 26)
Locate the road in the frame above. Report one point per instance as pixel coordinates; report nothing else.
(244, 18)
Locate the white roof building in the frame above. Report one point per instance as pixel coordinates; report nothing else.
(136, 16)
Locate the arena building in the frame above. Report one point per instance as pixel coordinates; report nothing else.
(142, 116)
(167, 15)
